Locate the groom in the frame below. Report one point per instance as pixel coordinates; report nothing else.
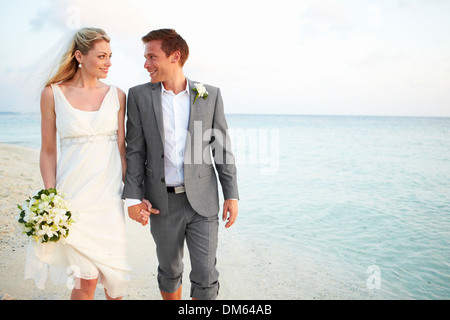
(174, 127)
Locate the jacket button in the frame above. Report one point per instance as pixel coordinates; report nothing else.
(162, 155)
(163, 180)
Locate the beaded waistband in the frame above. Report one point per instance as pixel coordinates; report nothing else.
(69, 141)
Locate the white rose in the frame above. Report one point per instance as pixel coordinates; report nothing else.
(200, 89)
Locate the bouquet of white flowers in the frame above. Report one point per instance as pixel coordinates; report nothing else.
(45, 216)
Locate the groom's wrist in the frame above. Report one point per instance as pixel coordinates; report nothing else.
(132, 202)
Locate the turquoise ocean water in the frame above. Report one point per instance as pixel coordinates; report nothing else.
(368, 197)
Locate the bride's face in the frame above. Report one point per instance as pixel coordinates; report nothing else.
(98, 60)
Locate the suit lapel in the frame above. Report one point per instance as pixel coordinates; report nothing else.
(190, 139)
(157, 107)
(192, 109)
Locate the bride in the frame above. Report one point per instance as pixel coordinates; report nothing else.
(88, 116)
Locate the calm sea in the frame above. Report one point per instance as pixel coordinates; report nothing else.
(367, 199)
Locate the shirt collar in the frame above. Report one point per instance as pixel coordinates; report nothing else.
(171, 92)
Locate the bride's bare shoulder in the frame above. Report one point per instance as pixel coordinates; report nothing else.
(47, 96)
(47, 91)
(120, 92)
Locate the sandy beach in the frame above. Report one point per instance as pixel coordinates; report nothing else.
(248, 270)
(20, 178)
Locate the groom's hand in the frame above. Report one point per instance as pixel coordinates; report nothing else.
(141, 212)
(231, 207)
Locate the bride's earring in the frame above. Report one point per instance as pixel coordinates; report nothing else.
(80, 65)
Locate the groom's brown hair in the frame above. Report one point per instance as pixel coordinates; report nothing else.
(171, 42)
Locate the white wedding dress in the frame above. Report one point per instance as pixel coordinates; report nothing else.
(89, 172)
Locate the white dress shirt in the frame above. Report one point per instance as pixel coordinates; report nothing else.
(176, 120)
(175, 109)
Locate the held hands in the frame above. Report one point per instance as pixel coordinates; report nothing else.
(141, 212)
(230, 206)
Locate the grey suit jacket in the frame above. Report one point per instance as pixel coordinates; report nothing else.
(207, 140)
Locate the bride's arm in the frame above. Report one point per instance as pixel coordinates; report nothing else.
(121, 131)
(48, 157)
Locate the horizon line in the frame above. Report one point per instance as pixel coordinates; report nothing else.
(287, 114)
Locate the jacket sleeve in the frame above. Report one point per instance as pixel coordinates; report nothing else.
(136, 152)
(223, 155)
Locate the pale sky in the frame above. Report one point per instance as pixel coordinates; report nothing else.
(310, 57)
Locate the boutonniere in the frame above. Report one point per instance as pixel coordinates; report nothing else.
(201, 91)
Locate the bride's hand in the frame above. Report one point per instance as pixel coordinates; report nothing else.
(141, 212)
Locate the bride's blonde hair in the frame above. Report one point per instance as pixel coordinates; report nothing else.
(83, 41)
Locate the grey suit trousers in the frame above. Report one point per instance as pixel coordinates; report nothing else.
(181, 223)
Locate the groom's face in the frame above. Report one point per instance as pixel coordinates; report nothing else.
(156, 62)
